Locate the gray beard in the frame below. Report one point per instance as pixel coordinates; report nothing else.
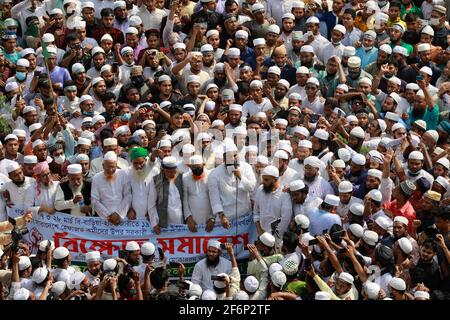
(77, 190)
(140, 175)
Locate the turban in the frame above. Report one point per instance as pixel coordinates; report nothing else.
(138, 153)
(40, 167)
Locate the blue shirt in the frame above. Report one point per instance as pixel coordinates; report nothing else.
(321, 220)
(430, 117)
(366, 57)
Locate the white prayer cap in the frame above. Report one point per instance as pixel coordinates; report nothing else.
(343, 87)
(19, 133)
(357, 209)
(106, 36)
(209, 295)
(349, 51)
(302, 69)
(322, 295)
(87, 4)
(206, 48)
(372, 290)
(414, 87)
(427, 30)
(83, 141)
(241, 34)
(267, 239)
(301, 130)
(298, 4)
(275, 267)
(259, 42)
(197, 159)
(420, 93)
(340, 28)
(288, 15)
(120, 4)
(444, 162)
(273, 28)
(48, 37)
(132, 246)
(383, 222)
(211, 32)
(27, 51)
(23, 63)
(97, 117)
(214, 244)
(356, 229)
(296, 185)
(188, 148)
(121, 130)
(354, 62)
(405, 245)
(344, 154)
(426, 70)
(359, 159)
(10, 22)
(401, 219)
(216, 123)
(110, 142)
(43, 245)
(375, 195)
(75, 280)
(397, 81)
(235, 107)
(392, 116)
(345, 187)
(146, 122)
(278, 278)
(234, 52)
(126, 50)
(82, 157)
(423, 47)
(397, 126)
(256, 84)
(281, 154)
(285, 83)
(271, 171)
(321, 134)
(164, 143)
(332, 200)
(274, 70)
(131, 30)
(290, 266)
(421, 295)
(365, 80)
(261, 115)
(257, 7)
(30, 160)
(11, 137)
(351, 118)
(400, 50)
(312, 19)
(313, 162)
(305, 144)
(93, 256)
(221, 284)
(443, 182)
(415, 155)
(59, 287)
(397, 284)
(382, 125)
(110, 156)
(346, 277)
(375, 173)
(147, 249)
(241, 295)
(314, 81)
(109, 265)
(22, 294)
(302, 221)
(370, 237)
(262, 159)
(434, 134)
(10, 86)
(60, 253)
(12, 166)
(338, 164)
(24, 263)
(194, 290)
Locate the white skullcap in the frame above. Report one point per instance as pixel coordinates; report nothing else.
(271, 171)
(267, 239)
(414, 87)
(278, 278)
(84, 98)
(259, 42)
(422, 295)
(307, 49)
(382, 125)
(197, 159)
(332, 200)
(397, 126)
(415, 155)
(106, 36)
(359, 159)
(24, 263)
(370, 237)
(296, 185)
(346, 277)
(214, 244)
(12, 166)
(59, 287)
(273, 28)
(400, 50)
(423, 47)
(405, 245)
(21, 294)
(74, 168)
(110, 156)
(262, 159)
(426, 70)
(275, 70)
(209, 295)
(131, 30)
(96, 80)
(10, 86)
(19, 133)
(48, 37)
(290, 266)
(11, 137)
(298, 4)
(349, 52)
(305, 144)
(344, 87)
(372, 290)
(314, 81)
(433, 134)
(30, 160)
(216, 123)
(212, 32)
(345, 187)
(193, 79)
(302, 221)
(397, 284)
(383, 222)
(241, 295)
(27, 51)
(302, 70)
(354, 62)
(126, 50)
(147, 249)
(356, 229)
(241, 34)
(365, 80)
(261, 115)
(120, 4)
(82, 157)
(206, 48)
(357, 209)
(321, 134)
(275, 267)
(375, 173)
(234, 52)
(235, 107)
(132, 246)
(401, 219)
(256, 84)
(87, 4)
(338, 164)
(358, 132)
(60, 253)
(109, 265)
(288, 15)
(23, 63)
(75, 280)
(93, 256)
(312, 19)
(312, 161)
(164, 143)
(340, 28)
(121, 130)
(322, 295)
(444, 162)
(344, 154)
(301, 130)
(97, 118)
(188, 148)
(110, 142)
(281, 154)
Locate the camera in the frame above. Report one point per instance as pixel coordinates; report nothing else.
(16, 235)
(274, 224)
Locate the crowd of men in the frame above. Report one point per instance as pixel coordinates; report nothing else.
(328, 121)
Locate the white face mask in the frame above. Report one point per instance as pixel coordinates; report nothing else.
(434, 21)
(60, 159)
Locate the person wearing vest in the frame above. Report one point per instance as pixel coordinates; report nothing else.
(74, 196)
(165, 196)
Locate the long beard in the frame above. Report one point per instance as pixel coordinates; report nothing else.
(268, 189)
(140, 175)
(76, 190)
(212, 263)
(309, 179)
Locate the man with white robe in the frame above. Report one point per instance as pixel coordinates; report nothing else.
(42, 193)
(111, 192)
(109, 144)
(318, 186)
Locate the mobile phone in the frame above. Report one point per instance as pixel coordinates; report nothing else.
(114, 67)
(308, 264)
(314, 118)
(419, 77)
(339, 113)
(174, 264)
(222, 246)
(37, 73)
(310, 33)
(217, 278)
(275, 223)
(122, 254)
(313, 242)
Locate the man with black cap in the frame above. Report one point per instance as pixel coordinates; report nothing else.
(165, 196)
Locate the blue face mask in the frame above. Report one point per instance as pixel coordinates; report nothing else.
(125, 116)
(88, 114)
(21, 75)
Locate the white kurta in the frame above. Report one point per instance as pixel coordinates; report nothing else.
(139, 189)
(310, 204)
(202, 274)
(250, 107)
(342, 209)
(174, 205)
(196, 201)
(42, 196)
(330, 50)
(298, 167)
(111, 196)
(61, 204)
(288, 176)
(96, 165)
(222, 190)
(319, 187)
(271, 206)
(17, 196)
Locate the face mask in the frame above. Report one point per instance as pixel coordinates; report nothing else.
(336, 43)
(367, 48)
(197, 171)
(138, 81)
(125, 117)
(21, 75)
(60, 159)
(88, 114)
(434, 21)
(209, 10)
(353, 75)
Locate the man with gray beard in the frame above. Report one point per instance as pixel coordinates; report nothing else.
(140, 176)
